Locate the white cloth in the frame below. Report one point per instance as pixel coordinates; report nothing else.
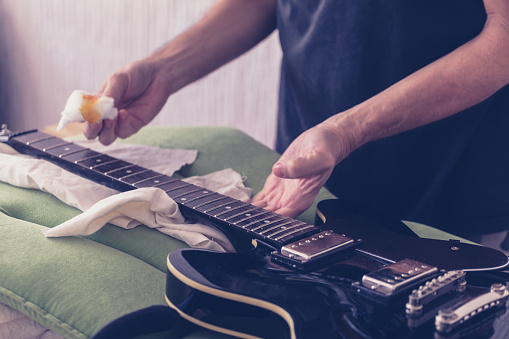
(150, 206)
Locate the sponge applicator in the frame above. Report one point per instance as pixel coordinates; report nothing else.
(82, 106)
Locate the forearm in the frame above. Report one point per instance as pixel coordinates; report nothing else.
(227, 30)
(461, 79)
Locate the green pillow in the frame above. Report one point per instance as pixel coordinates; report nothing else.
(76, 285)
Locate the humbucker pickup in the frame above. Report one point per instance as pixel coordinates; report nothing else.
(306, 252)
(391, 280)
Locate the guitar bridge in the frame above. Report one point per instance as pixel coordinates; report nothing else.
(434, 289)
(450, 318)
(303, 253)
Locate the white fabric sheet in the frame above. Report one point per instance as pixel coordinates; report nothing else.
(102, 204)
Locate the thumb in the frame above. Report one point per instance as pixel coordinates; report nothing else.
(302, 167)
(114, 87)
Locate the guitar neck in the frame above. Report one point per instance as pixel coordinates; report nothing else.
(194, 201)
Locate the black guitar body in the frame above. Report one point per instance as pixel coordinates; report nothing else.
(389, 238)
(351, 276)
(227, 289)
(251, 295)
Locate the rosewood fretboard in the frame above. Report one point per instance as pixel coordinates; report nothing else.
(223, 211)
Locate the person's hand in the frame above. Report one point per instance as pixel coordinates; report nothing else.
(139, 92)
(302, 170)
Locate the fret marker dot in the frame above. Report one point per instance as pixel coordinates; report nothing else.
(183, 199)
(128, 171)
(248, 214)
(205, 192)
(98, 160)
(156, 181)
(266, 221)
(66, 149)
(227, 207)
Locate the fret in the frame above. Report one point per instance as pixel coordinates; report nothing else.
(266, 223)
(25, 138)
(227, 204)
(246, 212)
(193, 197)
(93, 161)
(269, 229)
(122, 172)
(46, 149)
(168, 185)
(233, 212)
(63, 150)
(81, 149)
(103, 163)
(241, 220)
(178, 190)
(180, 186)
(288, 225)
(86, 153)
(206, 202)
(44, 143)
(297, 232)
(263, 227)
(157, 182)
(277, 227)
(116, 168)
(108, 167)
(32, 138)
(156, 179)
(132, 174)
(247, 223)
(163, 184)
(90, 158)
(40, 139)
(285, 228)
(197, 189)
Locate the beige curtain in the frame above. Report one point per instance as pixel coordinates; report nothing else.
(48, 48)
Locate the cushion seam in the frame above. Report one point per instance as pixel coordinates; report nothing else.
(23, 305)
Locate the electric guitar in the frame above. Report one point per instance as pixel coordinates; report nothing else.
(358, 273)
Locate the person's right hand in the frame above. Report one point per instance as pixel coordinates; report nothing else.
(139, 92)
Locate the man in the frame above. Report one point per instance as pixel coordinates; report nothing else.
(399, 104)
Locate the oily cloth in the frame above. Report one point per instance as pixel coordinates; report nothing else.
(149, 206)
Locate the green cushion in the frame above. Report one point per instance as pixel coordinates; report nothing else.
(76, 285)
(71, 285)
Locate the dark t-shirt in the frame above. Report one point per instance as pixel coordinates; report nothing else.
(452, 174)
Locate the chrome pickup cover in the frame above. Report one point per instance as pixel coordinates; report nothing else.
(317, 250)
(316, 245)
(393, 278)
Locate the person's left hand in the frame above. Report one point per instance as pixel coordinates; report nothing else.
(302, 170)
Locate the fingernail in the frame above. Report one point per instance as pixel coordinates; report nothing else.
(279, 170)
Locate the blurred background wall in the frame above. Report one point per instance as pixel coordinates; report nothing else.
(50, 48)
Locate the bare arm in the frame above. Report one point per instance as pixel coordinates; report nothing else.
(140, 89)
(461, 79)
(229, 28)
